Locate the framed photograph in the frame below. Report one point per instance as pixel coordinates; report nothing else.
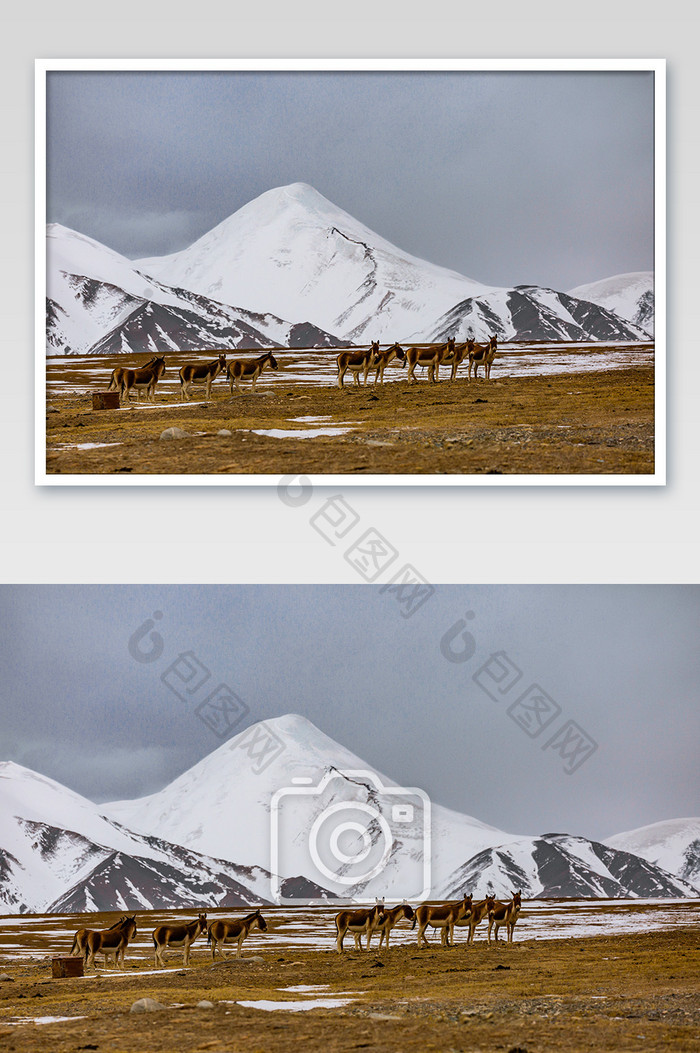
(352, 271)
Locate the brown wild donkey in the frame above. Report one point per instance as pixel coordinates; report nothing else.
(504, 914)
(431, 357)
(442, 916)
(248, 369)
(191, 374)
(357, 362)
(222, 932)
(483, 354)
(388, 920)
(382, 359)
(144, 379)
(479, 911)
(184, 935)
(363, 920)
(80, 938)
(118, 374)
(457, 356)
(112, 941)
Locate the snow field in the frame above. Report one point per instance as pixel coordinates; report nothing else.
(318, 369)
(305, 929)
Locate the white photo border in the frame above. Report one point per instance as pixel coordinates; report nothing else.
(656, 66)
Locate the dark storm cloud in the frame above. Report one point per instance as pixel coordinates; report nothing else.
(506, 177)
(620, 661)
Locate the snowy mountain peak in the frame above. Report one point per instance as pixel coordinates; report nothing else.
(673, 844)
(304, 195)
(213, 834)
(630, 296)
(291, 254)
(317, 261)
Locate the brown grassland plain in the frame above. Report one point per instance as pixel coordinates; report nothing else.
(631, 992)
(586, 423)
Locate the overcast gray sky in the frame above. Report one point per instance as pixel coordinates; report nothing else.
(622, 662)
(507, 177)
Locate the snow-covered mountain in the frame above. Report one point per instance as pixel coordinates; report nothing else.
(629, 296)
(557, 865)
(531, 312)
(58, 851)
(292, 254)
(282, 810)
(673, 844)
(292, 251)
(99, 302)
(196, 810)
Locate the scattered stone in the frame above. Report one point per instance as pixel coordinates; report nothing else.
(223, 431)
(146, 1005)
(173, 433)
(382, 1016)
(205, 1004)
(6, 978)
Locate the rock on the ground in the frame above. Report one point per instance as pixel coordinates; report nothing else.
(173, 433)
(146, 1005)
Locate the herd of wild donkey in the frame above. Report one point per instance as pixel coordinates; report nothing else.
(113, 942)
(361, 361)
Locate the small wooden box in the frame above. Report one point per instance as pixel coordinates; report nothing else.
(105, 400)
(61, 967)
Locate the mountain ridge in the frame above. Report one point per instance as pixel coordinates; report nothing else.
(292, 254)
(186, 844)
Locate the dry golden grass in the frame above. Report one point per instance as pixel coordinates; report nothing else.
(585, 423)
(627, 992)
